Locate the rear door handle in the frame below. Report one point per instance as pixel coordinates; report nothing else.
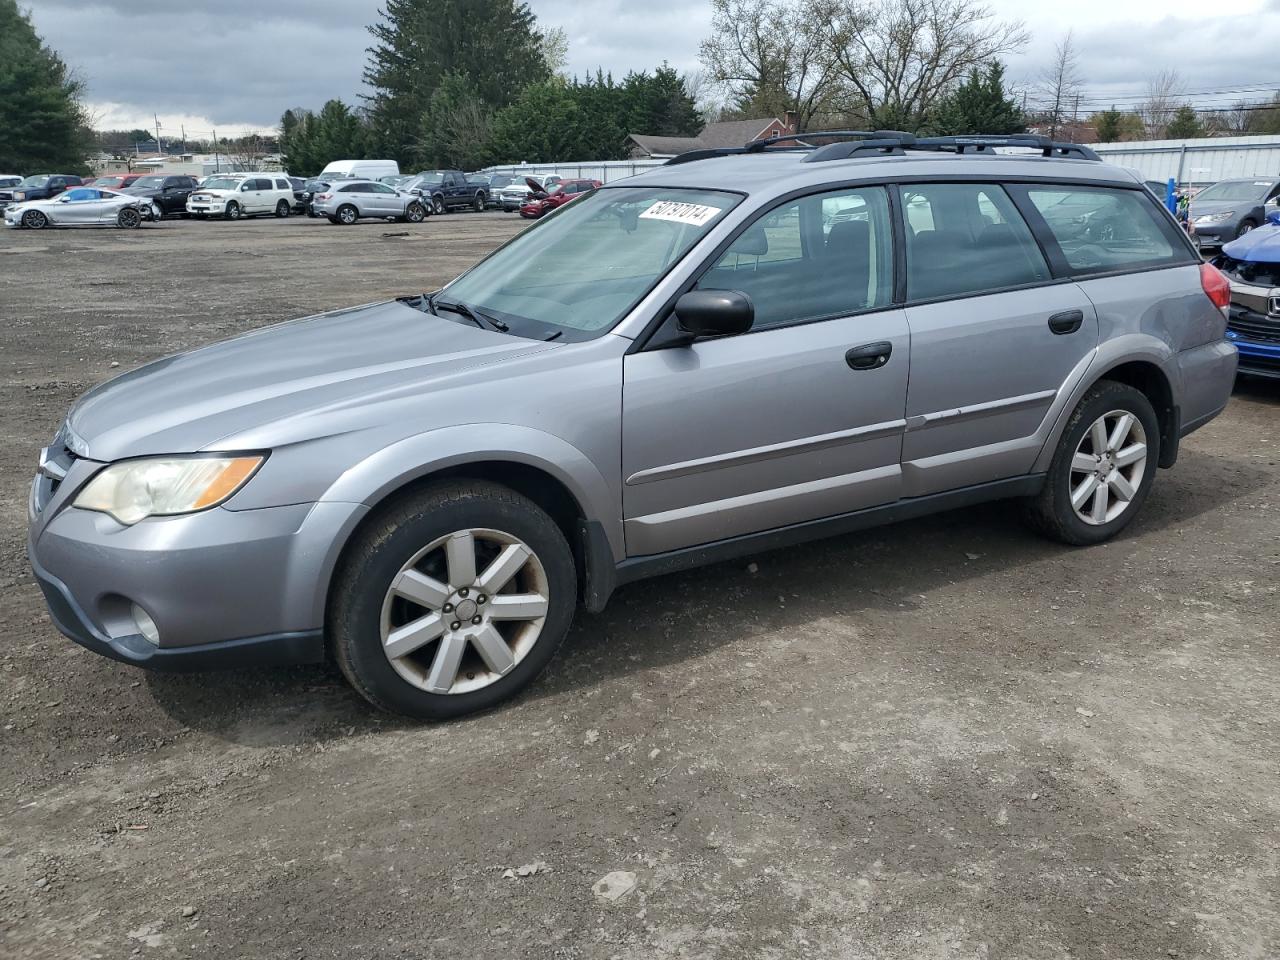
(1068, 321)
(869, 356)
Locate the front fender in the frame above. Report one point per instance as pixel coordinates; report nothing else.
(382, 473)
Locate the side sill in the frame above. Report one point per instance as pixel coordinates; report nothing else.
(640, 568)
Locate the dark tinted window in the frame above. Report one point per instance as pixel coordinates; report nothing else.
(1102, 229)
(354, 188)
(826, 255)
(965, 238)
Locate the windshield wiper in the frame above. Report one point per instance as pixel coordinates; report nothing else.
(471, 313)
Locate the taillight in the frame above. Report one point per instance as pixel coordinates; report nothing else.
(322, 196)
(1216, 287)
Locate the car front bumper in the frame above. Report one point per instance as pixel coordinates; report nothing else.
(224, 588)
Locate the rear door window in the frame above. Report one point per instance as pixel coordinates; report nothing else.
(1103, 229)
(822, 256)
(966, 238)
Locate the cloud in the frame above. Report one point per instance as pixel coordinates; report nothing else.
(239, 64)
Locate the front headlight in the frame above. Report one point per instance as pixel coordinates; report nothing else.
(19, 195)
(1215, 217)
(162, 486)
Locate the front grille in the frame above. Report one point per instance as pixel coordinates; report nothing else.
(1258, 363)
(1254, 326)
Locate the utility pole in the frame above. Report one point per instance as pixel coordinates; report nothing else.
(217, 158)
(184, 138)
(159, 148)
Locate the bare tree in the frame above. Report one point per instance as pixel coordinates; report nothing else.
(896, 59)
(1164, 95)
(1060, 84)
(769, 57)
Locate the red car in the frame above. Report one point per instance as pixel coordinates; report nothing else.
(114, 181)
(563, 192)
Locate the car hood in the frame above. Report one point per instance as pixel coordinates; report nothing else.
(1261, 245)
(142, 191)
(318, 375)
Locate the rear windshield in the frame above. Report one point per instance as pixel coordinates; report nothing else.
(1101, 229)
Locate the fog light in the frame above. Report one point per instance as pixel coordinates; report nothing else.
(146, 626)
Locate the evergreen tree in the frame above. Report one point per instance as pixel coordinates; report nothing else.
(1185, 124)
(981, 104)
(455, 127)
(493, 44)
(43, 127)
(1107, 123)
(309, 140)
(541, 126)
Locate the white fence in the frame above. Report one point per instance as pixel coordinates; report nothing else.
(1197, 162)
(606, 171)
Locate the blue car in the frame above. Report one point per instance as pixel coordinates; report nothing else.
(1252, 264)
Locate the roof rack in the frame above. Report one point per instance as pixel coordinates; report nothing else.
(889, 143)
(985, 143)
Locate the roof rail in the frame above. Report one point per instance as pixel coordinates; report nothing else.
(984, 143)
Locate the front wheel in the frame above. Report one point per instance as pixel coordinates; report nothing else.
(1103, 467)
(282, 209)
(438, 206)
(128, 218)
(34, 220)
(233, 211)
(478, 203)
(1245, 227)
(452, 600)
(415, 213)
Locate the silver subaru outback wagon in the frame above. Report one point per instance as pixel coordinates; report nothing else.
(739, 350)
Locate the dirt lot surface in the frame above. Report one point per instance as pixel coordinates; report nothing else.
(946, 739)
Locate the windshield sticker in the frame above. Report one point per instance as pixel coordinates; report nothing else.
(694, 213)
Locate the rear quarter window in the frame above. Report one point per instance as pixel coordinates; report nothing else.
(1106, 229)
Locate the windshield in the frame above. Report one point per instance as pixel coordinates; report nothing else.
(430, 178)
(1235, 190)
(34, 181)
(148, 182)
(496, 183)
(577, 272)
(217, 183)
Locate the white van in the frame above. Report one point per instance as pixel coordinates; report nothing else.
(361, 169)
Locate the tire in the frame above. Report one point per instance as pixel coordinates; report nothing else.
(438, 207)
(233, 211)
(410, 535)
(415, 213)
(128, 218)
(283, 209)
(34, 220)
(478, 203)
(1052, 512)
(346, 215)
(1245, 227)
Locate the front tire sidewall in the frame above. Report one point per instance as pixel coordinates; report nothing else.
(233, 211)
(414, 213)
(438, 206)
(355, 608)
(1052, 510)
(128, 218)
(34, 220)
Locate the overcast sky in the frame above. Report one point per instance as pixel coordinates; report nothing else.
(237, 64)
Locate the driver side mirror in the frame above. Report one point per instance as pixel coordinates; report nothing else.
(714, 313)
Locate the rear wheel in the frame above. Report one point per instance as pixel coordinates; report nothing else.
(452, 600)
(34, 220)
(128, 218)
(347, 214)
(1103, 467)
(233, 211)
(282, 209)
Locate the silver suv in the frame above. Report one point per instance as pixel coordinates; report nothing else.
(739, 350)
(346, 201)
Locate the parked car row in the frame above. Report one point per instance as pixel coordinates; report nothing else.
(81, 206)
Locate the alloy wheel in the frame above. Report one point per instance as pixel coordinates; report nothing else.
(347, 215)
(464, 611)
(34, 220)
(129, 218)
(1107, 467)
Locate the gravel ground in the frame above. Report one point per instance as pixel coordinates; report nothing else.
(945, 739)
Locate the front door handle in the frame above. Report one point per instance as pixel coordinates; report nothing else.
(869, 356)
(1068, 321)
